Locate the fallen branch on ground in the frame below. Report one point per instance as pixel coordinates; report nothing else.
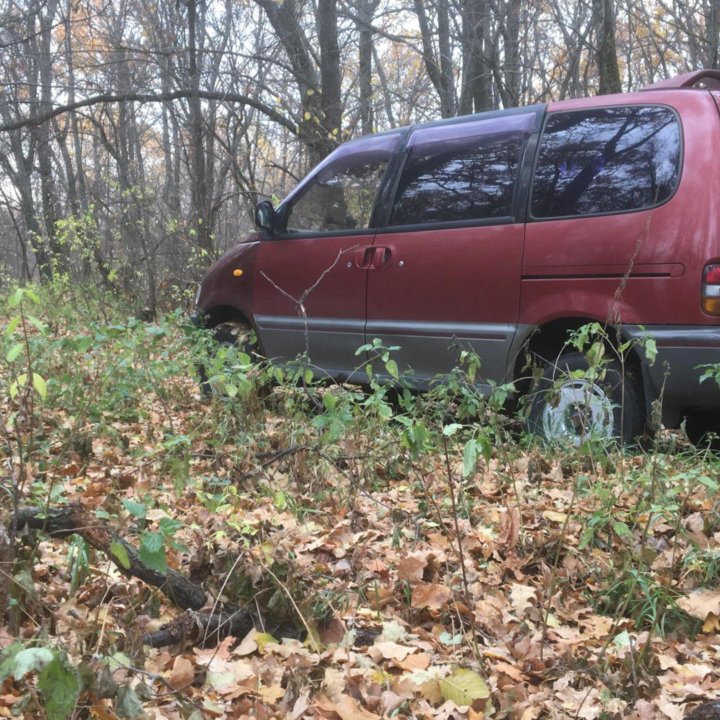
(203, 628)
(75, 519)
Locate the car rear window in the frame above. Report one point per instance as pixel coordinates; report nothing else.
(606, 160)
(461, 172)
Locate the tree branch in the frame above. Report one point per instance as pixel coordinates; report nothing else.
(74, 519)
(107, 98)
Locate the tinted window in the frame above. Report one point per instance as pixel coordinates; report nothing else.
(461, 171)
(607, 160)
(340, 194)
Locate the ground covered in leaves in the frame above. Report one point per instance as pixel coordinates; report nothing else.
(398, 556)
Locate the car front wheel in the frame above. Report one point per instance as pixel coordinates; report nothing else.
(237, 334)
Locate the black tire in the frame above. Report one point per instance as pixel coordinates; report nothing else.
(703, 429)
(567, 410)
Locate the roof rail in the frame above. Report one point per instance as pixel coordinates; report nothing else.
(703, 79)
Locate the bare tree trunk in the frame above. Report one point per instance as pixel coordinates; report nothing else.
(330, 76)
(319, 88)
(509, 80)
(366, 10)
(713, 33)
(606, 53)
(476, 94)
(53, 260)
(197, 154)
(438, 65)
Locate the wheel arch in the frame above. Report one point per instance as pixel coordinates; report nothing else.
(218, 315)
(548, 341)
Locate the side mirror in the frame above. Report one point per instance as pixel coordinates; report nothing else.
(265, 216)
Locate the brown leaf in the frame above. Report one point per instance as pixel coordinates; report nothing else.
(248, 645)
(511, 671)
(523, 597)
(411, 569)
(333, 632)
(345, 707)
(182, 674)
(509, 529)
(416, 661)
(301, 705)
(431, 596)
(388, 651)
(700, 603)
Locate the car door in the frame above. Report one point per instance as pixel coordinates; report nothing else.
(310, 279)
(448, 263)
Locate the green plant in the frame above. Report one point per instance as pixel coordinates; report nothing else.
(635, 593)
(57, 679)
(25, 381)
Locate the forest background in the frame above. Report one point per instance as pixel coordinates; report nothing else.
(281, 547)
(136, 136)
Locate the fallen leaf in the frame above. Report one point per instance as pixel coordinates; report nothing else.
(182, 674)
(554, 516)
(334, 683)
(345, 707)
(700, 603)
(509, 529)
(511, 671)
(411, 569)
(389, 651)
(431, 596)
(416, 661)
(301, 705)
(333, 632)
(465, 687)
(522, 597)
(248, 644)
(271, 694)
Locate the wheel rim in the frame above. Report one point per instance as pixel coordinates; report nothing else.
(576, 411)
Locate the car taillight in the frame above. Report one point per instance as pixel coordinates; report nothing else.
(711, 289)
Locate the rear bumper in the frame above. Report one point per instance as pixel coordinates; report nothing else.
(675, 374)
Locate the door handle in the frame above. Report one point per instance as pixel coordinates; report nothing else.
(380, 257)
(364, 258)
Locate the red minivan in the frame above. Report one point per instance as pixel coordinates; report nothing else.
(501, 233)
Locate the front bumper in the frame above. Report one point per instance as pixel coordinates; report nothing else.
(198, 318)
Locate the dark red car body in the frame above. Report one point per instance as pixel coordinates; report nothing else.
(508, 282)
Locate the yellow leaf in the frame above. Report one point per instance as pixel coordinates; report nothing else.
(711, 624)
(40, 385)
(465, 687)
(271, 694)
(263, 639)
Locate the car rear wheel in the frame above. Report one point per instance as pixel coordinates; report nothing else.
(572, 403)
(703, 429)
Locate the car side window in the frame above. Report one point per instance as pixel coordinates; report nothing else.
(462, 171)
(340, 194)
(606, 160)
